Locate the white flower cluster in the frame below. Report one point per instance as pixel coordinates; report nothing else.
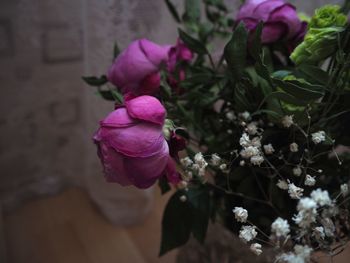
(198, 165)
(280, 227)
(318, 137)
(287, 121)
(241, 214)
(310, 180)
(247, 233)
(301, 254)
(294, 191)
(256, 248)
(251, 149)
(307, 207)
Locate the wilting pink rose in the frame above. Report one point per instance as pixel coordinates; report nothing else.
(179, 53)
(280, 19)
(136, 69)
(131, 145)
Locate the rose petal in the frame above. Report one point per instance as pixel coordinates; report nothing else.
(141, 140)
(113, 165)
(155, 53)
(144, 172)
(262, 10)
(272, 32)
(146, 108)
(171, 173)
(247, 8)
(118, 118)
(287, 15)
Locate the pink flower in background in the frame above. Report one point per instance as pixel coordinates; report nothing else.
(131, 145)
(178, 54)
(280, 19)
(136, 69)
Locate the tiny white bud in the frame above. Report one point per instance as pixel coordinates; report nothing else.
(287, 121)
(183, 198)
(294, 147)
(309, 180)
(318, 137)
(256, 248)
(297, 171)
(223, 166)
(282, 184)
(344, 189)
(242, 163)
(269, 149)
(241, 214)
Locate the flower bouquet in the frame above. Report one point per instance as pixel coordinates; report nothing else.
(253, 136)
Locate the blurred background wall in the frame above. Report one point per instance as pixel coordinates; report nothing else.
(47, 114)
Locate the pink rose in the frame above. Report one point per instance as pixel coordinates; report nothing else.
(280, 19)
(136, 69)
(131, 145)
(179, 53)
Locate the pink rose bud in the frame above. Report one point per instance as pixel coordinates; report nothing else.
(280, 19)
(136, 69)
(131, 145)
(177, 54)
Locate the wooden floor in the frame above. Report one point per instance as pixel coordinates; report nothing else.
(68, 229)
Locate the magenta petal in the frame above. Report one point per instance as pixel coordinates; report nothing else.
(288, 15)
(150, 84)
(146, 108)
(247, 8)
(141, 140)
(118, 118)
(155, 53)
(171, 173)
(130, 68)
(262, 11)
(143, 172)
(272, 32)
(113, 165)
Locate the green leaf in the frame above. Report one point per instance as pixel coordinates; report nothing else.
(314, 73)
(271, 113)
(262, 69)
(200, 201)
(197, 79)
(235, 51)
(192, 11)
(95, 81)
(281, 74)
(192, 43)
(300, 90)
(256, 46)
(173, 11)
(176, 223)
(106, 94)
(286, 98)
(164, 185)
(117, 96)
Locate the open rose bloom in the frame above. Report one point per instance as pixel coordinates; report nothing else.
(136, 69)
(281, 21)
(131, 145)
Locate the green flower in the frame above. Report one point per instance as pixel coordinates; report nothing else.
(328, 16)
(321, 38)
(318, 44)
